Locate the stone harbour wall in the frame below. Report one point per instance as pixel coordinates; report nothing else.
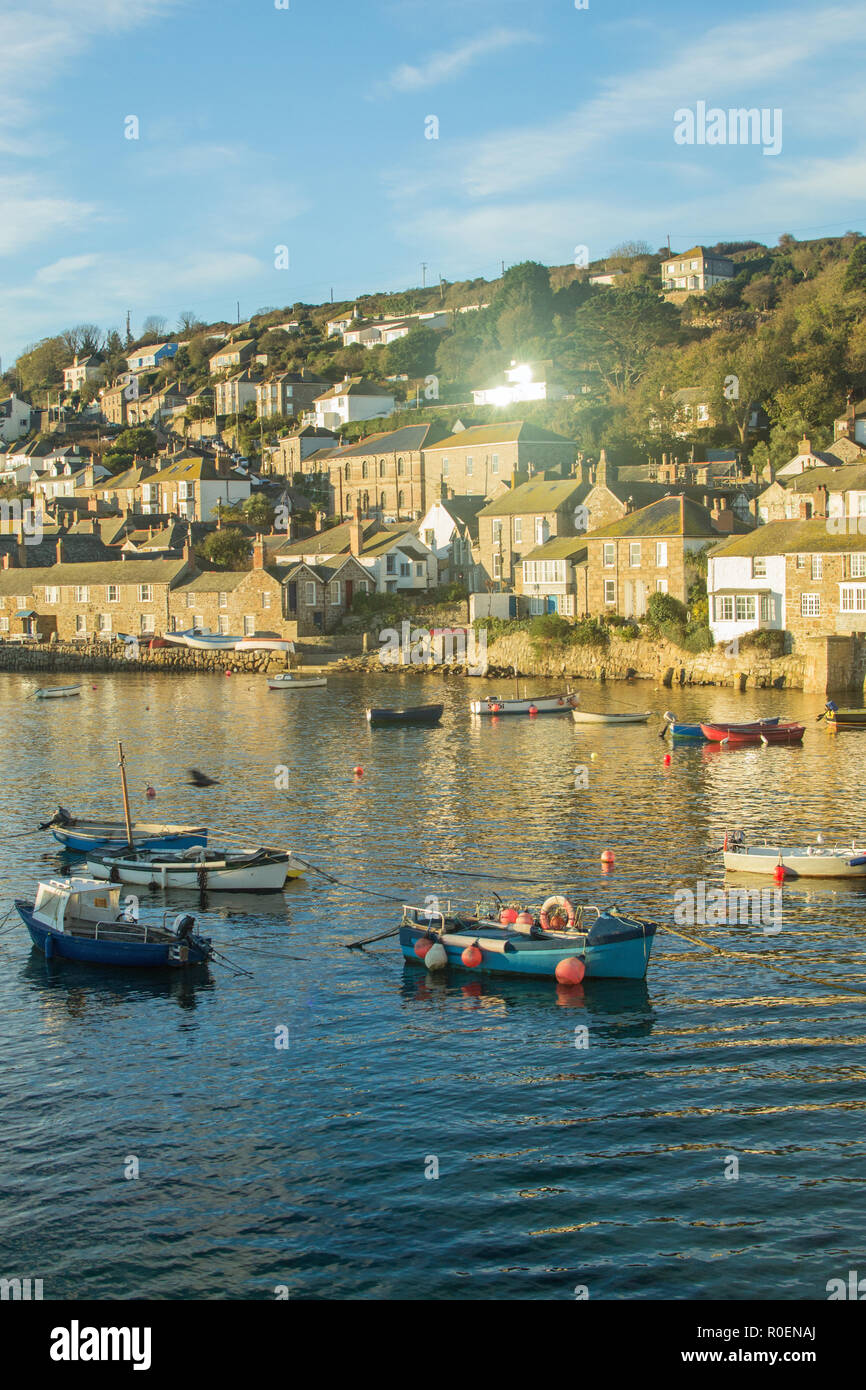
(57, 657)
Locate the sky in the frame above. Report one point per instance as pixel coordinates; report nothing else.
(306, 125)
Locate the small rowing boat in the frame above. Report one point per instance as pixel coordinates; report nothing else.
(81, 833)
(741, 735)
(264, 644)
(590, 942)
(817, 860)
(214, 871)
(837, 718)
(57, 692)
(414, 714)
(582, 716)
(694, 731)
(82, 920)
(535, 704)
(285, 680)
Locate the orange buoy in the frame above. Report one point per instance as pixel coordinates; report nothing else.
(607, 856)
(496, 708)
(472, 957)
(228, 673)
(532, 711)
(779, 873)
(667, 759)
(507, 916)
(570, 971)
(422, 946)
(524, 919)
(358, 771)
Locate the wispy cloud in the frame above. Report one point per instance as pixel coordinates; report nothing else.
(451, 63)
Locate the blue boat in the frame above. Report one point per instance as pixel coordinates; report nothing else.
(609, 944)
(81, 919)
(694, 731)
(84, 834)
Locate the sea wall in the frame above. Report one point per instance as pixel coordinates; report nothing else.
(109, 656)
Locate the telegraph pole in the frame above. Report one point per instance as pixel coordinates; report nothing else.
(423, 275)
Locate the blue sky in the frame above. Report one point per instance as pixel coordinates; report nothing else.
(305, 127)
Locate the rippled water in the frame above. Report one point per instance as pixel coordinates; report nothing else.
(558, 1166)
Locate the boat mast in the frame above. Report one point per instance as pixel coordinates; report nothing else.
(126, 817)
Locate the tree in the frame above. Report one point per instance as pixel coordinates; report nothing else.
(855, 274)
(415, 354)
(140, 440)
(259, 512)
(226, 549)
(81, 340)
(618, 332)
(627, 250)
(524, 305)
(154, 326)
(41, 366)
(188, 322)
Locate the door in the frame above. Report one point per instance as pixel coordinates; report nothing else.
(350, 590)
(293, 598)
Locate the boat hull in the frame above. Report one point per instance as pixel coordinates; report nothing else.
(88, 835)
(57, 692)
(140, 955)
(846, 719)
(543, 704)
(298, 683)
(734, 734)
(797, 862)
(584, 717)
(614, 949)
(213, 877)
(421, 714)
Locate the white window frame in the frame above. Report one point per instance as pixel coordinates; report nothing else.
(661, 556)
(249, 625)
(145, 593)
(608, 555)
(810, 605)
(634, 549)
(610, 591)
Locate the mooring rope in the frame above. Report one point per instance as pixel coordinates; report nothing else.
(755, 959)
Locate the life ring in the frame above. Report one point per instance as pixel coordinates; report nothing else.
(556, 901)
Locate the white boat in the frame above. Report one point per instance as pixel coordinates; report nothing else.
(57, 692)
(581, 716)
(216, 871)
(202, 639)
(817, 860)
(264, 644)
(541, 704)
(286, 680)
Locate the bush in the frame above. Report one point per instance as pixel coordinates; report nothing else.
(768, 640)
(698, 639)
(664, 608)
(550, 627)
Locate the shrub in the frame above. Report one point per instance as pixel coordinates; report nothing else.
(664, 608)
(768, 640)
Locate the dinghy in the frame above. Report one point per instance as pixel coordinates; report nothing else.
(581, 716)
(264, 644)
(587, 943)
(57, 692)
(81, 833)
(214, 871)
(742, 735)
(82, 920)
(843, 718)
(695, 731)
(539, 704)
(285, 680)
(818, 860)
(415, 714)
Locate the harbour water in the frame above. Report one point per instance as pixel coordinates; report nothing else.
(312, 1168)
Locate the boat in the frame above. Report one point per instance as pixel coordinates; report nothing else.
(539, 704)
(414, 714)
(597, 945)
(264, 644)
(581, 716)
(286, 680)
(214, 871)
(82, 920)
(837, 718)
(818, 860)
(202, 639)
(83, 833)
(740, 735)
(694, 730)
(57, 692)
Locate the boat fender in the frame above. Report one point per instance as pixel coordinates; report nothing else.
(472, 957)
(437, 957)
(570, 971)
(556, 900)
(422, 946)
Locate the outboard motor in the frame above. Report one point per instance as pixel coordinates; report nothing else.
(184, 926)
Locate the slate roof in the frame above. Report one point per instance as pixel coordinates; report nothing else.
(538, 495)
(213, 582)
(406, 440)
(355, 386)
(508, 432)
(671, 516)
(796, 538)
(106, 572)
(560, 548)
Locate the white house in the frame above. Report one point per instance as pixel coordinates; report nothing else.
(151, 356)
(83, 371)
(523, 381)
(448, 528)
(15, 416)
(235, 392)
(806, 457)
(342, 322)
(696, 270)
(351, 399)
(745, 592)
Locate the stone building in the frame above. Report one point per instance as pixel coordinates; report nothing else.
(648, 551)
(247, 603)
(486, 459)
(110, 596)
(383, 474)
(522, 518)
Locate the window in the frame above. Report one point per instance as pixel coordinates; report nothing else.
(222, 625)
(103, 622)
(801, 562)
(197, 620)
(430, 538)
(540, 530)
(364, 469)
(405, 569)
(444, 468)
(82, 594)
(311, 592)
(768, 608)
(400, 502)
(381, 468)
(857, 569)
(112, 593)
(661, 555)
(266, 600)
(518, 530)
(745, 608)
(52, 595)
(224, 600)
(190, 600)
(335, 591)
(609, 555)
(661, 586)
(497, 566)
(145, 593)
(817, 567)
(497, 531)
(634, 554)
(148, 623)
(347, 472)
(400, 468)
(249, 626)
(810, 605)
(610, 591)
(80, 625)
(494, 463)
(470, 465)
(725, 609)
(759, 566)
(703, 412)
(4, 624)
(852, 598)
(420, 567)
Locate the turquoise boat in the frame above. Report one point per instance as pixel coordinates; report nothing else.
(609, 943)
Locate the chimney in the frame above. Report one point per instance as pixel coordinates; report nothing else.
(89, 476)
(258, 554)
(59, 556)
(820, 509)
(10, 560)
(356, 534)
(320, 516)
(187, 553)
(805, 445)
(93, 504)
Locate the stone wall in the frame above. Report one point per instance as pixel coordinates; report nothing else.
(109, 656)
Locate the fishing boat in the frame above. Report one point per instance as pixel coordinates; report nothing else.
(591, 943)
(695, 731)
(818, 860)
(582, 716)
(83, 833)
(57, 692)
(837, 718)
(286, 680)
(216, 871)
(741, 735)
(537, 704)
(82, 920)
(414, 714)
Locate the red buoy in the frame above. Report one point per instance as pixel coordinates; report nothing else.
(607, 856)
(524, 919)
(570, 971)
(228, 673)
(667, 759)
(779, 873)
(507, 916)
(422, 946)
(472, 957)
(358, 771)
(532, 711)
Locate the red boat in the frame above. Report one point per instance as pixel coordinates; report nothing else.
(737, 735)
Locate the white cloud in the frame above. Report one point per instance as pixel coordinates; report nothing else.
(31, 215)
(445, 66)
